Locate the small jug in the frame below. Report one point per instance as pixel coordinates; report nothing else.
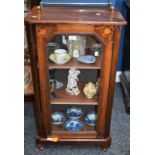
(90, 90)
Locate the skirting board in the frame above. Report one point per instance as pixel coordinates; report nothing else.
(118, 73)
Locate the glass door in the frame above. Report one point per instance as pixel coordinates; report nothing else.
(74, 64)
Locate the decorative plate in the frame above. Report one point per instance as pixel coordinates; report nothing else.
(91, 118)
(74, 125)
(59, 62)
(58, 118)
(88, 59)
(74, 112)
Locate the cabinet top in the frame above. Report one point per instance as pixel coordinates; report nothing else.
(72, 15)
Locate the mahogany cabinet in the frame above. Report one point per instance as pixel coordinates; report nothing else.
(44, 24)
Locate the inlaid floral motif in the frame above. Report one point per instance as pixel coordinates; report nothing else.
(45, 31)
(105, 31)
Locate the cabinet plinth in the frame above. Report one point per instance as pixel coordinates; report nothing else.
(103, 24)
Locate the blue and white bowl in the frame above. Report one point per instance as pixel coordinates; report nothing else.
(88, 59)
(91, 118)
(74, 112)
(73, 125)
(58, 118)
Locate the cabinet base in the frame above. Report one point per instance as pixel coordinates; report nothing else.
(103, 142)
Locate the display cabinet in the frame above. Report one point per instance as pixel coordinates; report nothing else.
(84, 88)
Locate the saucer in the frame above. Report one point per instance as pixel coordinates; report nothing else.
(91, 118)
(53, 58)
(74, 112)
(73, 125)
(88, 59)
(58, 118)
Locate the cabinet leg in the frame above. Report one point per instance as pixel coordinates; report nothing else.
(105, 149)
(40, 147)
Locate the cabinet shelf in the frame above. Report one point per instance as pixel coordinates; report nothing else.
(63, 98)
(86, 132)
(74, 63)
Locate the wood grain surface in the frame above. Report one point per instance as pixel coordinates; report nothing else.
(75, 15)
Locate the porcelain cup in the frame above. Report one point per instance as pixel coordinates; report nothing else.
(60, 54)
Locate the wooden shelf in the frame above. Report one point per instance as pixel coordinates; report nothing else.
(86, 132)
(74, 63)
(62, 132)
(28, 90)
(64, 98)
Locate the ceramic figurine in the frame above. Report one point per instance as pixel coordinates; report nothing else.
(72, 87)
(52, 88)
(90, 90)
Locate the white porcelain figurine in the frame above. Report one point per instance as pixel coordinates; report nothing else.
(72, 87)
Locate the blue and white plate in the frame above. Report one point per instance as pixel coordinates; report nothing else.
(88, 59)
(91, 118)
(58, 118)
(73, 125)
(74, 112)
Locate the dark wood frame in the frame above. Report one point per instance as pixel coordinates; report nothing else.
(39, 33)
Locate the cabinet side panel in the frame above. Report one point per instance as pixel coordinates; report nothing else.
(106, 33)
(30, 31)
(116, 45)
(41, 36)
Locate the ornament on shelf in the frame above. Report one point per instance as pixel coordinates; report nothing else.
(75, 45)
(72, 87)
(52, 88)
(90, 90)
(96, 49)
(52, 83)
